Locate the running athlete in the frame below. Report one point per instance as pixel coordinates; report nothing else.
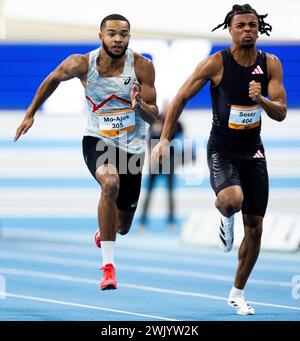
(120, 97)
(244, 83)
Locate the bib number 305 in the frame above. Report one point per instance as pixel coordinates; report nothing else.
(115, 122)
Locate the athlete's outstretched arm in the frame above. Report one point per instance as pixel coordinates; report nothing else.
(73, 66)
(143, 94)
(275, 106)
(204, 72)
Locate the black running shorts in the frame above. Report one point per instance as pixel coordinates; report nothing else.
(246, 169)
(96, 153)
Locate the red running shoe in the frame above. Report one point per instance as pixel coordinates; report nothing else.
(97, 238)
(109, 281)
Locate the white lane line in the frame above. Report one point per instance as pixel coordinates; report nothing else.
(142, 269)
(86, 306)
(83, 280)
(202, 295)
(179, 259)
(202, 275)
(135, 241)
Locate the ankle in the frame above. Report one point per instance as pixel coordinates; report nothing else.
(235, 292)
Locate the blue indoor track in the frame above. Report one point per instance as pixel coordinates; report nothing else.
(51, 272)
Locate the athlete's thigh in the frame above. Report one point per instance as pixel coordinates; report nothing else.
(130, 172)
(224, 172)
(98, 155)
(127, 200)
(129, 192)
(255, 185)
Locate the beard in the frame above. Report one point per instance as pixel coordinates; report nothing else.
(112, 55)
(247, 46)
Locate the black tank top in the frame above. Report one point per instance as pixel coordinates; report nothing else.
(234, 90)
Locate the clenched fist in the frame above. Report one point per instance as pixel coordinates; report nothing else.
(135, 94)
(255, 91)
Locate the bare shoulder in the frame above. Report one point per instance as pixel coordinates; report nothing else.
(273, 60)
(214, 61)
(209, 67)
(144, 68)
(142, 62)
(217, 58)
(77, 64)
(273, 64)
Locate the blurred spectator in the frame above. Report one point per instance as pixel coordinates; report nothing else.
(154, 133)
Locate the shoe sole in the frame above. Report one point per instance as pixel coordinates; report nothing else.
(109, 287)
(239, 312)
(245, 314)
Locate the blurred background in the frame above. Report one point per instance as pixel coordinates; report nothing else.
(45, 186)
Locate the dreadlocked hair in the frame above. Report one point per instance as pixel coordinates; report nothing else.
(263, 27)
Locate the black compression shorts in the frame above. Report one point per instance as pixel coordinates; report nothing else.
(246, 169)
(96, 153)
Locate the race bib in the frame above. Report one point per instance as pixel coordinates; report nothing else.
(244, 117)
(114, 122)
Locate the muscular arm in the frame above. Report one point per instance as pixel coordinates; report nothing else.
(146, 106)
(275, 106)
(204, 72)
(73, 66)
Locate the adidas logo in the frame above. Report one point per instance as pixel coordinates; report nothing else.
(258, 155)
(257, 71)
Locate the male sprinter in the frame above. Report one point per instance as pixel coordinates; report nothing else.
(120, 97)
(244, 82)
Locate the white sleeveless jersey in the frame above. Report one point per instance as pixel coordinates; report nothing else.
(110, 116)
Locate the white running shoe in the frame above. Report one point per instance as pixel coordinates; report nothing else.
(240, 305)
(226, 233)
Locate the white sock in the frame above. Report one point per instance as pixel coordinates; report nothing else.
(107, 249)
(235, 292)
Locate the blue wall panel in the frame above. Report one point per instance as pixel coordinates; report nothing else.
(23, 67)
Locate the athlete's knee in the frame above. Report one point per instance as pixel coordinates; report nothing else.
(234, 206)
(110, 185)
(253, 227)
(229, 203)
(254, 234)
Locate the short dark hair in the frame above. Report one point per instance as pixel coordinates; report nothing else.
(263, 27)
(113, 17)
